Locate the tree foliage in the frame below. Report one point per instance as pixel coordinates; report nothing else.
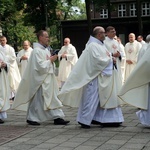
(12, 24)
(20, 19)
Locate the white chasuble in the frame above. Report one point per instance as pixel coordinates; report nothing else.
(23, 63)
(39, 74)
(136, 88)
(94, 62)
(66, 64)
(132, 51)
(14, 74)
(4, 89)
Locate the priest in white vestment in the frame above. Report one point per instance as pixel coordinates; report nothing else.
(67, 57)
(144, 48)
(38, 89)
(132, 49)
(4, 88)
(90, 85)
(136, 90)
(113, 47)
(140, 39)
(14, 74)
(23, 57)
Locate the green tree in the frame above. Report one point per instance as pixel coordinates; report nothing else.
(21, 19)
(12, 24)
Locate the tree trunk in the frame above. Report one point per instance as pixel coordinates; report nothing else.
(88, 14)
(140, 24)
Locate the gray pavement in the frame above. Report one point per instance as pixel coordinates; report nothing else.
(15, 134)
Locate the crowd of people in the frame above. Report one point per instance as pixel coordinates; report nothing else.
(106, 76)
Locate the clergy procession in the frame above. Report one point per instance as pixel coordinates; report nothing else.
(104, 78)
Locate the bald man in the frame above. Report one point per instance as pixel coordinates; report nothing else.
(67, 59)
(90, 85)
(132, 49)
(23, 56)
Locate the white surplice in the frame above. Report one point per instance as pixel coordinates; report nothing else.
(23, 63)
(66, 64)
(136, 90)
(123, 61)
(132, 51)
(113, 46)
(90, 83)
(4, 89)
(14, 74)
(142, 51)
(38, 89)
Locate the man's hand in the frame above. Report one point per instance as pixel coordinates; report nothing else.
(107, 53)
(3, 65)
(64, 55)
(129, 62)
(24, 57)
(116, 54)
(53, 58)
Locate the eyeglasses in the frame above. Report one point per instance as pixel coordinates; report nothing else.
(102, 32)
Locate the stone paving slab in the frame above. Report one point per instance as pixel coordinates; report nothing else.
(15, 134)
(8, 133)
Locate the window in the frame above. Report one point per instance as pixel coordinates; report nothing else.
(104, 13)
(133, 10)
(121, 10)
(145, 9)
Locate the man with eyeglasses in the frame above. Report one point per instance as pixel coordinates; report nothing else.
(67, 59)
(113, 47)
(90, 85)
(37, 92)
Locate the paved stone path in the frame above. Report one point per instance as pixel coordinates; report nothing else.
(15, 134)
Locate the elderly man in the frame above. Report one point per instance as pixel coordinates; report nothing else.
(14, 74)
(136, 90)
(5, 89)
(67, 58)
(23, 56)
(132, 49)
(37, 92)
(90, 85)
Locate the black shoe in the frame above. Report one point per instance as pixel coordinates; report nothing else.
(95, 122)
(34, 123)
(12, 98)
(1, 121)
(60, 121)
(113, 124)
(84, 125)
